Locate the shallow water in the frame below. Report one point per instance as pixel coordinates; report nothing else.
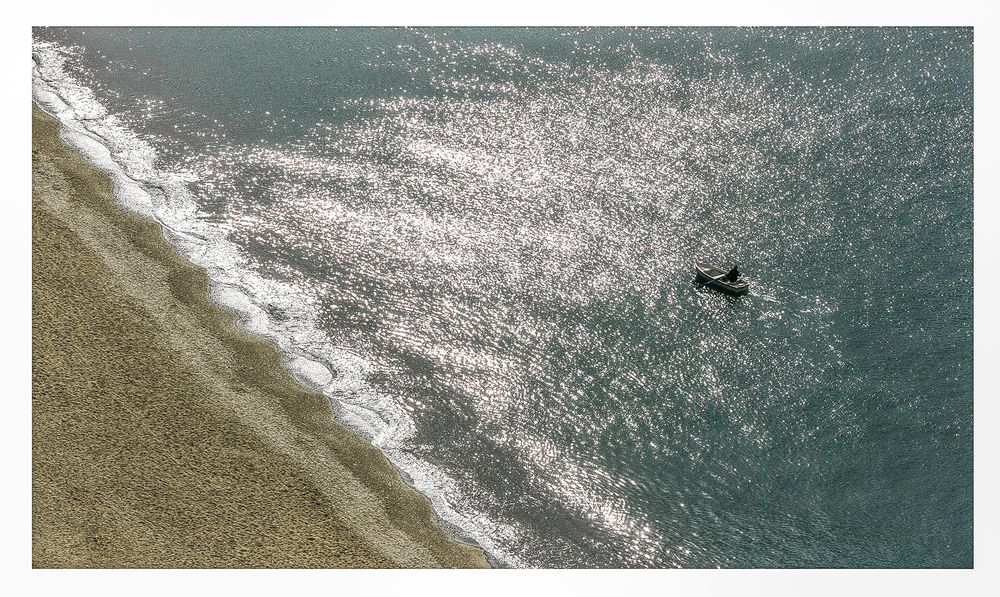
(479, 243)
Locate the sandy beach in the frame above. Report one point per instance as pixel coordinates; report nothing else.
(164, 436)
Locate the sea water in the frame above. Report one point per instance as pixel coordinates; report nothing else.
(479, 244)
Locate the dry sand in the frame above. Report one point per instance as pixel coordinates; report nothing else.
(164, 436)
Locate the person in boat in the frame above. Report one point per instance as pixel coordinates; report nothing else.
(733, 274)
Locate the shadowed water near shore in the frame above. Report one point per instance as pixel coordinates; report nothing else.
(164, 436)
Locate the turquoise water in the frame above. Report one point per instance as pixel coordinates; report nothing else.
(478, 243)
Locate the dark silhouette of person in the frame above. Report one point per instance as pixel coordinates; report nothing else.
(734, 273)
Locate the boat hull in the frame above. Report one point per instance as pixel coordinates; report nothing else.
(715, 279)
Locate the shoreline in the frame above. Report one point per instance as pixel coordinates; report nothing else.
(165, 436)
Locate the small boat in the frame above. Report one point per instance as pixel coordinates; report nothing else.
(714, 277)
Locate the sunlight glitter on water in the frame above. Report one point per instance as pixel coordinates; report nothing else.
(500, 225)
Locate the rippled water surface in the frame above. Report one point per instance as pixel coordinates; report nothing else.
(479, 243)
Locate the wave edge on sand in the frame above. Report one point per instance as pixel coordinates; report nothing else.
(165, 436)
(335, 371)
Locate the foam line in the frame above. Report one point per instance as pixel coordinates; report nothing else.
(308, 352)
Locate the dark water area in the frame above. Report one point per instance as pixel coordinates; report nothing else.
(479, 243)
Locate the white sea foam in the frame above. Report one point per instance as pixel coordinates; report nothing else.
(309, 353)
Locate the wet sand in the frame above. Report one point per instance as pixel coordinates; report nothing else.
(164, 436)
